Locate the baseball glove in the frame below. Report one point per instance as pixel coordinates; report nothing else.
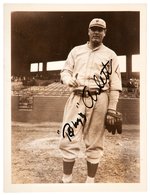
(113, 122)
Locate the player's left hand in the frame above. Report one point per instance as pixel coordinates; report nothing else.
(110, 119)
(113, 122)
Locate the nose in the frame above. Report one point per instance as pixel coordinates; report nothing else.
(97, 31)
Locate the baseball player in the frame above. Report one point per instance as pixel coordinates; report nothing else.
(92, 73)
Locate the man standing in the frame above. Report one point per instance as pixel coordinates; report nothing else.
(92, 73)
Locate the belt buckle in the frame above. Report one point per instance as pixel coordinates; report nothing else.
(97, 91)
(86, 94)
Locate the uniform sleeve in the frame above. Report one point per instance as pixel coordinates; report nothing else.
(115, 77)
(115, 84)
(113, 100)
(67, 70)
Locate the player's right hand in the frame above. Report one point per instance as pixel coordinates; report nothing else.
(71, 82)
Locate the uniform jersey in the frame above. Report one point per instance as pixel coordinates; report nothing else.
(93, 67)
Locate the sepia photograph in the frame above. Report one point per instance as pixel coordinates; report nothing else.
(75, 87)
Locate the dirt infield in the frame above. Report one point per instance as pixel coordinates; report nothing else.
(37, 159)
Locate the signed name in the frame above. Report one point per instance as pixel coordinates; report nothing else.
(68, 129)
(100, 80)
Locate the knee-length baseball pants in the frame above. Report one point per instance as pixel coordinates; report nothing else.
(81, 122)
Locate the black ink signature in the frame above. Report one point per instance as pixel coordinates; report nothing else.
(86, 93)
(68, 129)
(100, 82)
(106, 71)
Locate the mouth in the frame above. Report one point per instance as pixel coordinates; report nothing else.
(96, 37)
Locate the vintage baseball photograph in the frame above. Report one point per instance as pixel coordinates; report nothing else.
(75, 78)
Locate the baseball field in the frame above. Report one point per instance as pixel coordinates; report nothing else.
(37, 159)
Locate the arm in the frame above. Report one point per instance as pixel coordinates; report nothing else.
(113, 100)
(114, 90)
(67, 72)
(115, 85)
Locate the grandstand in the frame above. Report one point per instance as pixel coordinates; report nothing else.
(58, 89)
(54, 89)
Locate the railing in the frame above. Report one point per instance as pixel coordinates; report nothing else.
(57, 89)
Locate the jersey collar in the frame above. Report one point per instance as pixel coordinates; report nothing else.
(96, 48)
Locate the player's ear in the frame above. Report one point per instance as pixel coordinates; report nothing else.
(88, 31)
(105, 31)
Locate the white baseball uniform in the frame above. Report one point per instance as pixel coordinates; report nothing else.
(93, 68)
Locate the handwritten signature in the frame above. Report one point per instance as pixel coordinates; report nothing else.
(100, 81)
(68, 129)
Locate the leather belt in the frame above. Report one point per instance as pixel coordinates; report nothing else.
(87, 92)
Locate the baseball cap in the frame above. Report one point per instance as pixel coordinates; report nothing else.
(97, 22)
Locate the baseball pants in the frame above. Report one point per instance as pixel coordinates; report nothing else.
(81, 122)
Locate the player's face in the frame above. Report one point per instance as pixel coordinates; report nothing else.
(96, 35)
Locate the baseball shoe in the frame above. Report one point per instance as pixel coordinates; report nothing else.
(61, 181)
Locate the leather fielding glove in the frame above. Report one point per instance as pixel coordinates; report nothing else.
(113, 122)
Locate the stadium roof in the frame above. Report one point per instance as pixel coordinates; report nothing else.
(49, 36)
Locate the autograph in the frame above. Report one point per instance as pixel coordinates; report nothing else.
(100, 81)
(106, 71)
(68, 130)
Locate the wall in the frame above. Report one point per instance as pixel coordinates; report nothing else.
(46, 109)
